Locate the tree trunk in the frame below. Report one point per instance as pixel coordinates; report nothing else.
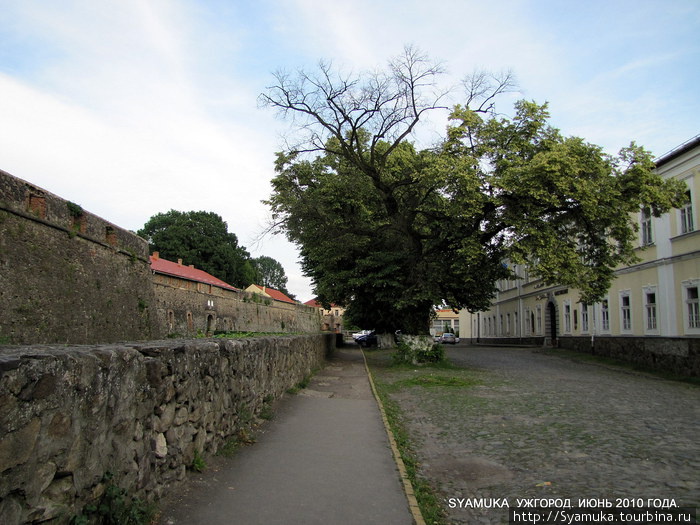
(385, 341)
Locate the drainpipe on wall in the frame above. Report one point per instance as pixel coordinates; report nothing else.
(593, 332)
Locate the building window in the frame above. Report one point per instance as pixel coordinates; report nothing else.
(539, 319)
(687, 224)
(527, 326)
(604, 316)
(625, 312)
(584, 318)
(647, 235)
(507, 324)
(567, 318)
(693, 305)
(650, 308)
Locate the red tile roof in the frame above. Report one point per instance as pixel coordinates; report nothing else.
(314, 303)
(274, 294)
(177, 269)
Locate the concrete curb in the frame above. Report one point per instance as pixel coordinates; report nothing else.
(407, 487)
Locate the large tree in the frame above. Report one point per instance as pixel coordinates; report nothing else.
(390, 231)
(200, 238)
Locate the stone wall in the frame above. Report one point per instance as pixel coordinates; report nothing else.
(184, 308)
(672, 354)
(66, 275)
(68, 415)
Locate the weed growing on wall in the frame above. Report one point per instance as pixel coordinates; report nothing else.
(198, 463)
(115, 507)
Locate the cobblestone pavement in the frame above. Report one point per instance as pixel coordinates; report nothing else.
(535, 425)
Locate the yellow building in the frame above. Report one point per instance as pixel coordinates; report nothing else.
(332, 319)
(652, 304)
(445, 320)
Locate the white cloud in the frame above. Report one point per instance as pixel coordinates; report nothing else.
(131, 108)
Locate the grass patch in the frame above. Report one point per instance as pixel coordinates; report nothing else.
(428, 499)
(432, 380)
(243, 335)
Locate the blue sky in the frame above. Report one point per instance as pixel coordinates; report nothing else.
(134, 107)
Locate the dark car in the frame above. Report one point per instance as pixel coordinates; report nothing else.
(366, 340)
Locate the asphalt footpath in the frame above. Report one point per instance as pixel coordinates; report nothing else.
(324, 458)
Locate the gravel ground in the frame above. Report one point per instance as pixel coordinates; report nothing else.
(519, 423)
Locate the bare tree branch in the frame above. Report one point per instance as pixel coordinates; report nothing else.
(359, 111)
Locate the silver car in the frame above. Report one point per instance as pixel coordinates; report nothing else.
(448, 338)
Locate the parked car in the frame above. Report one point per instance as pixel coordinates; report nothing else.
(360, 334)
(368, 339)
(448, 338)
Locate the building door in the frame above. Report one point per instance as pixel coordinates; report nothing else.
(552, 323)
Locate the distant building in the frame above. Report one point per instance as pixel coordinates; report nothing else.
(331, 319)
(271, 293)
(445, 320)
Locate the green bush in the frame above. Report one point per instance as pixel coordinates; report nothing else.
(418, 349)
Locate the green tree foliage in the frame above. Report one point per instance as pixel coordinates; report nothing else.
(202, 239)
(270, 272)
(390, 231)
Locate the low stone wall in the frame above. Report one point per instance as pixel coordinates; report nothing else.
(68, 415)
(672, 354)
(525, 341)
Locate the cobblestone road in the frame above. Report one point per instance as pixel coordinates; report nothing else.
(535, 425)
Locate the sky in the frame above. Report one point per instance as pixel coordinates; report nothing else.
(131, 108)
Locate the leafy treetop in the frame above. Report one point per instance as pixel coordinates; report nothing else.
(390, 231)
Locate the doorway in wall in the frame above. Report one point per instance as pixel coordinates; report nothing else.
(551, 324)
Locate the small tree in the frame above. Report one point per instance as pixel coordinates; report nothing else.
(270, 272)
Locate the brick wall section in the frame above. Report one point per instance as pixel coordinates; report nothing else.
(68, 276)
(68, 415)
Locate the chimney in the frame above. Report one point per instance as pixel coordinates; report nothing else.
(156, 255)
(179, 262)
(192, 266)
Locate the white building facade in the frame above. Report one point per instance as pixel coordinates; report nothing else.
(652, 304)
